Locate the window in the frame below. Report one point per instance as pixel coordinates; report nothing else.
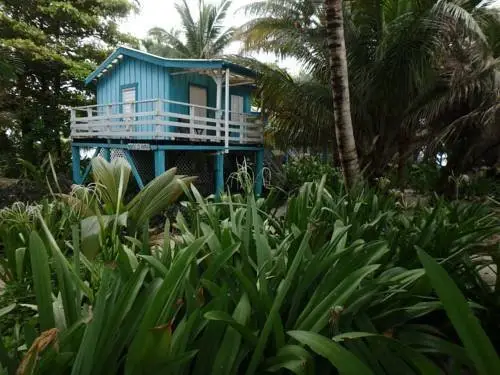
(128, 99)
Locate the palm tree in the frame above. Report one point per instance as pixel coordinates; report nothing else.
(420, 73)
(201, 38)
(340, 90)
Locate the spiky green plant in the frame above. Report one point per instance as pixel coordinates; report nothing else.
(236, 289)
(104, 212)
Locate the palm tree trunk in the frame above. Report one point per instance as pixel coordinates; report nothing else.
(340, 87)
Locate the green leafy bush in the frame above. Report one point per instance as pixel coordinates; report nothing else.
(424, 177)
(333, 285)
(308, 169)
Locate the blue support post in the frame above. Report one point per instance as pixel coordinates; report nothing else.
(259, 172)
(219, 174)
(135, 172)
(159, 156)
(89, 166)
(75, 160)
(106, 153)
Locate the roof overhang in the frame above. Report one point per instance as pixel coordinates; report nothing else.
(199, 65)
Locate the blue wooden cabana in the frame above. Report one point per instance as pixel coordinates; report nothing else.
(154, 111)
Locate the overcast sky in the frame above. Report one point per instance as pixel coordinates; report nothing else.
(163, 14)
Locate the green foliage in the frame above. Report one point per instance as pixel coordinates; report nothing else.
(407, 61)
(202, 36)
(474, 338)
(16, 224)
(424, 177)
(309, 169)
(57, 44)
(334, 285)
(103, 210)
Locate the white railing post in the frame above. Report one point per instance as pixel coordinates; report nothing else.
(261, 130)
(226, 113)
(243, 126)
(158, 117)
(89, 118)
(218, 113)
(191, 119)
(107, 120)
(72, 121)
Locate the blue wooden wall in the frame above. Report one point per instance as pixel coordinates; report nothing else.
(152, 82)
(179, 91)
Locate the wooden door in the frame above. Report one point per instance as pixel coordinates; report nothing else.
(198, 96)
(237, 114)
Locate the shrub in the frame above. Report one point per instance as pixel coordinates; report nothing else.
(309, 169)
(236, 289)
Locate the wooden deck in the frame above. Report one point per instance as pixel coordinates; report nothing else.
(164, 120)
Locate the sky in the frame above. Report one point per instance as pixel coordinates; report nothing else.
(163, 14)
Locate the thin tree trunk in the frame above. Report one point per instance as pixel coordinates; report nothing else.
(340, 88)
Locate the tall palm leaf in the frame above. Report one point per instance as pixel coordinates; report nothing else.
(202, 37)
(399, 62)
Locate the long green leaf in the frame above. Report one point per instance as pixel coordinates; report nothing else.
(65, 265)
(225, 317)
(68, 279)
(346, 362)
(318, 317)
(278, 301)
(41, 281)
(162, 305)
(474, 338)
(230, 345)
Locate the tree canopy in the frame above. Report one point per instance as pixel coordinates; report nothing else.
(50, 46)
(422, 74)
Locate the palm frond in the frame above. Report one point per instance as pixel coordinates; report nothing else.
(421, 72)
(204, 37)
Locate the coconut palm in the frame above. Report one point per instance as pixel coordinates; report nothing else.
(340, 90)
(415, 68)
(201, 37)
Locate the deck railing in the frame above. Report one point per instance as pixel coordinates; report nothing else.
(160, 119)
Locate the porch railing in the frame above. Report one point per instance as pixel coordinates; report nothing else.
(160, 119)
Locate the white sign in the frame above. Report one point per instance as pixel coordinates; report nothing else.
(139, 146)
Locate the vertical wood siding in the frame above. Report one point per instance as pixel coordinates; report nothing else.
(152, 82)
(155, 82)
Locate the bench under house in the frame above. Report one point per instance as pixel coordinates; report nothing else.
(158, 113)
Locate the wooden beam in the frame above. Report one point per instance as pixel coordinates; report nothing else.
(159, 156)
(75, 161)
(219, 174)
(242, 83)
(226, 111)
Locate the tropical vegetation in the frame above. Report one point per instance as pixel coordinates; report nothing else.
(202, 36)
(339, 283)
(423, 79)
(47, 48)
(374, 251)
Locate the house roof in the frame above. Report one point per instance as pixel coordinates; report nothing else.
(184, 64)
